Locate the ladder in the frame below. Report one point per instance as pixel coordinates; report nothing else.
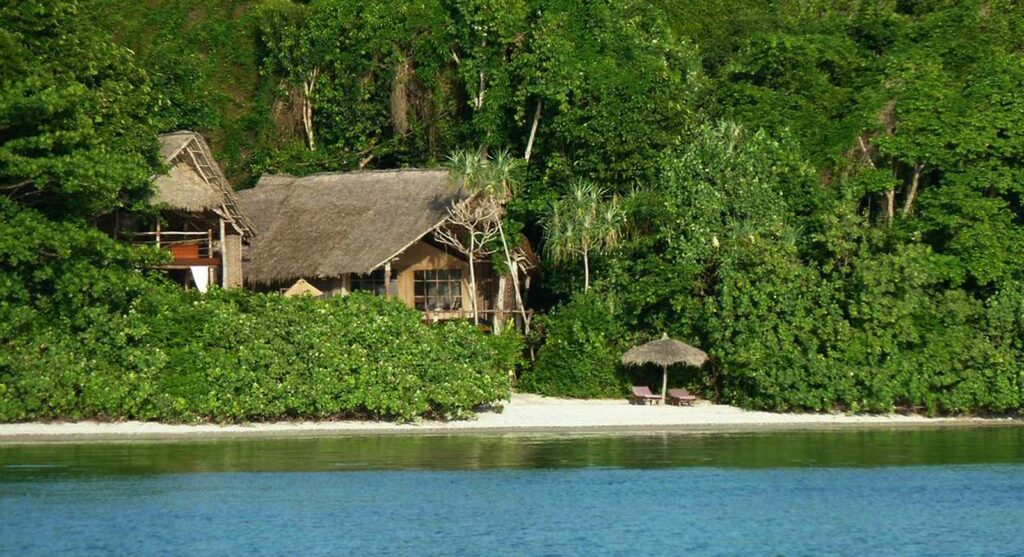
(211, 174)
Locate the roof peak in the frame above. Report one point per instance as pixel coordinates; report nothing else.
(356, 172)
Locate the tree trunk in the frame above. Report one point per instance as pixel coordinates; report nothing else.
(890, 206)
(526, 290)
(307, 106)
(520, 300)
(499, 310)
(472, 280)
(526, 300)
(515, 277)
(478, 102)
(400, 97)
(586, 271)
(915, 182)
(533, 132)
(866, 152)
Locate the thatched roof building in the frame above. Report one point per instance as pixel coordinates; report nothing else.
(340, 223)
(199, 221)
(195, 183)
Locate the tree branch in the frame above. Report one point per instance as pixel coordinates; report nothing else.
(533, 132)
(17, 186)
(915, 183)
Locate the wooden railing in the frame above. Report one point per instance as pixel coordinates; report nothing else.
(486, 315)
(182, 244)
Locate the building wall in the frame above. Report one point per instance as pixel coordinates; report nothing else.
(423, 256)
(232, 261)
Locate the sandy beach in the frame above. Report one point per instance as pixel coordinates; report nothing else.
(525, 413)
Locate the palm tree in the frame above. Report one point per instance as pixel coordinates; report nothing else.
(497, 178)
(466, 168)
(583, 222)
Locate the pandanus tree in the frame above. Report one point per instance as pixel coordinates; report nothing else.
(496, 179)
(581, 223)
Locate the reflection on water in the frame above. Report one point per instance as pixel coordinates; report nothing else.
(948, 492)
(864, 448)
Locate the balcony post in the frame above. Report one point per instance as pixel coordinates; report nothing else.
(223, 260)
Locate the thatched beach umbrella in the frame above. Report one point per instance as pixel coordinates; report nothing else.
(664, 352)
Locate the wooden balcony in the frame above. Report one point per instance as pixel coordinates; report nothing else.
(485, 315)
(188, 249)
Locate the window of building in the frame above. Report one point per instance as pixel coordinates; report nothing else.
(438, 290)
(372, 283)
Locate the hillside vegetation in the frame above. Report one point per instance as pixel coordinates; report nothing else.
(825, 196)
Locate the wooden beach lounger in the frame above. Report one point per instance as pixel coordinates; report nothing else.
(643, 395)
(680, 397)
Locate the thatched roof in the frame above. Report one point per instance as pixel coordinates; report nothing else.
(184, 189)
(334, 223)
(194, 182)
(173, 143)
(665, 352)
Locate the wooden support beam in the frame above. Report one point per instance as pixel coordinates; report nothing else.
(387, 279)
(224, 260)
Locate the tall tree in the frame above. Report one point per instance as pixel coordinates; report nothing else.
(582, 223)
(495, 177)
(77, 141)
(76, 114)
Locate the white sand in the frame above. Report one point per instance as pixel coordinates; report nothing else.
(526, 413)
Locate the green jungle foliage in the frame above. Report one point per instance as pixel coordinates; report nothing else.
(85, 332)
(580, 354)
(826, 196)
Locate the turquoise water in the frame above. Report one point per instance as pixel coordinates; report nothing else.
(951, 492)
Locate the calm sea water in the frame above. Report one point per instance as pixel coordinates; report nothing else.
(949, 492)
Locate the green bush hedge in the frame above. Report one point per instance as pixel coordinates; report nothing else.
(899, 339)
(580, 354)
(237, 356)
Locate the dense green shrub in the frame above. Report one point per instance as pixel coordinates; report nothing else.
(580, 354)
(235, 356)
(773, 326)
(899, 338)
